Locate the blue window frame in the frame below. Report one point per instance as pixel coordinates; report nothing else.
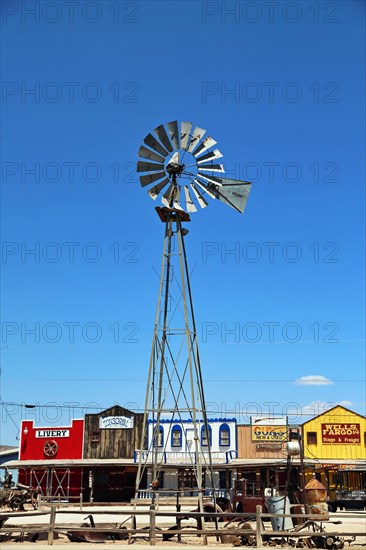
(224, 435)
(160, 436)
(176, 437)
(204, 437)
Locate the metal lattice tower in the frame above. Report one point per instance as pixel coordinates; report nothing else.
(175, 388)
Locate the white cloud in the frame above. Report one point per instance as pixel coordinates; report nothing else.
(313, 380)
(319, 407)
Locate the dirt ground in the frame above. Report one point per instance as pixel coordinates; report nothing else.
(351, 523)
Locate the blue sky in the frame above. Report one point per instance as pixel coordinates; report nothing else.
(281, 88)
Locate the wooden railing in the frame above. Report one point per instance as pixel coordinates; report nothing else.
(205, 530)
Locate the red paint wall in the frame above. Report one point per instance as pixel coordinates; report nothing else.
(33, 448)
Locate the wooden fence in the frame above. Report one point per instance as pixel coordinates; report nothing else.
(207, 523)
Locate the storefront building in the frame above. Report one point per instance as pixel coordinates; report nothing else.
(177, 454)
(45, 458)
(336, 440)
(110, 440)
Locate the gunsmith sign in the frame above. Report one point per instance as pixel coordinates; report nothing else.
(116, 422)
(341, 433)
(269, 433)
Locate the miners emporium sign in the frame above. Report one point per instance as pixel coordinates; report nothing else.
(115, 422)
(343, 434)
(269, 434)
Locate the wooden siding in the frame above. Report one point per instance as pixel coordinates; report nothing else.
(113, 443)
(351, 447)
(248, 449)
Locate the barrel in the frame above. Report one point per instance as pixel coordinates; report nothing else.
(279, 505)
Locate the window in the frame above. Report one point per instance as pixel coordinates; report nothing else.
(95, 437)
(364, 438)
(204, 436)
(224, 435)
(160, 436)
(176, 436)
(311, 438)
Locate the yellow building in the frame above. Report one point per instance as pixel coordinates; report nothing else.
(338, 434)
(335, 442)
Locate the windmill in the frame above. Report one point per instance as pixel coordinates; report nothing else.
(179, 165)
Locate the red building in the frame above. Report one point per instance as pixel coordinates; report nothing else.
(38, 443)
(46, 456)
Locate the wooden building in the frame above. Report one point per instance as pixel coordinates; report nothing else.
(336, 439)
(113, 433)
(262, 457)
(111, 437)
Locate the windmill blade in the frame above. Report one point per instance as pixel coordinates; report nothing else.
(206, 144)
(154, 191)
(234, 193)
(166, 198)
(185, 129)
(212, 155)
(163, 136)
(151, 178)
(145, 153)
(196, 137)
(176, 201)
(191, 207)
(211, 179)
(149, 166)
(212, 168)
(201, 201)
(205, 188)
(174, 133)
(155, 144)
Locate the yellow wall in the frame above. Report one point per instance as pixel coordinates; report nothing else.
(340, 434)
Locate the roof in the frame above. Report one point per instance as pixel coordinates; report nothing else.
(8, 450)
(115, 410)
(328, 411)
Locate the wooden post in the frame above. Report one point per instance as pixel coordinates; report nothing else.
(259, 525)
(178, 520)
(152, 534)
(51, 526)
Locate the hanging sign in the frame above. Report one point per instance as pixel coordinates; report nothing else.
(348, 434)
(116, 422)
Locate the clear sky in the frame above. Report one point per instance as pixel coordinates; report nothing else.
(278, 292)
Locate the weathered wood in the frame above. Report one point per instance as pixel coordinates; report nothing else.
(152, 531)
(113, 443)
(51, 526)
(258, 521)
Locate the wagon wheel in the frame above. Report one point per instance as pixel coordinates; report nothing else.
(34, 499)
(50, 448)
(16, 503)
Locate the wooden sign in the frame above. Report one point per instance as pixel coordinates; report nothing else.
(341, 434)
(270, 434)
(115, 422)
